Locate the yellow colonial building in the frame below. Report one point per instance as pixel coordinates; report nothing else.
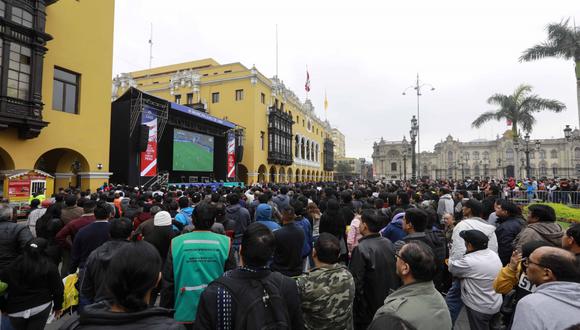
(284, 141)
(56, 64)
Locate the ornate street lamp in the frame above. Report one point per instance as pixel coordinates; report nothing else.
(413, 133)
(404, 151)
(419, 87)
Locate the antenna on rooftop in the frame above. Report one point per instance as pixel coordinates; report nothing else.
(276, 50)
(150, 50)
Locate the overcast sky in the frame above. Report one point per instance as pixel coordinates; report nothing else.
(365, 54)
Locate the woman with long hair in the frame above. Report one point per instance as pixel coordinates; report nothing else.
(34, 287)
(133, 272)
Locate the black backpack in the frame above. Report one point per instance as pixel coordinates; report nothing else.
(259, 303)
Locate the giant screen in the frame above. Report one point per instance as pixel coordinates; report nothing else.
(192, 151)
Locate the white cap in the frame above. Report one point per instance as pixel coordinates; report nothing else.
(162, 218)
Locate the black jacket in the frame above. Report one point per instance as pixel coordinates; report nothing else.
(160, 237)
(374, 271)
(98, 316)
(36, 290)
(47, 228)
(288, 253)
(506, 232)
(207, 310)
(13, 238)
(93, 286)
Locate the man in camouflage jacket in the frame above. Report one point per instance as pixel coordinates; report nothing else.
(327, 292)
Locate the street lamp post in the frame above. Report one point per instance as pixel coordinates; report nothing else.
(404, 152)
(569, 138)
(413, 133)
(499, 167)
(462, 164)
(419, 88)
(527, 149)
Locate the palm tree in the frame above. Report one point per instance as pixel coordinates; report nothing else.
(563, 42)
(519, 108)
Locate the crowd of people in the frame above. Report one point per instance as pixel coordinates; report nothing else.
(341, 255)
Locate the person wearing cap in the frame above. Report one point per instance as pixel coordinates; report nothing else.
(161, 234)
(513, 277)
(472, 210)
(264, 216)
(477, 271)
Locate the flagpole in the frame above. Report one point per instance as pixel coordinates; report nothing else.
(276, 50)
(308, 75)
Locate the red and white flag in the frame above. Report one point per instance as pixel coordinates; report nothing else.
(307, 85)
(509, 122)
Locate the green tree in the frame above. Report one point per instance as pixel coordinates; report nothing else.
(519, 108)
(563, 42)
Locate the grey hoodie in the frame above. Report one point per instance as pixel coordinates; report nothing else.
(549, 232)
(554, 305)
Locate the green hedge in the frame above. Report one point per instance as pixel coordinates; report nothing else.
(564, 213)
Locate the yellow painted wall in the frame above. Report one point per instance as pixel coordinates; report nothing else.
(249, 113)
(82, 42)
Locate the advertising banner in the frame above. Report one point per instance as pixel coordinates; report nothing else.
(231, 155)
(149, 156)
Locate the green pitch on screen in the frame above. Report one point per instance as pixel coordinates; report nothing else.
(189, 156)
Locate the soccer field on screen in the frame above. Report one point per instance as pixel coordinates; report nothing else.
(189, 156)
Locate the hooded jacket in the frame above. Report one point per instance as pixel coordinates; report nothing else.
(394, 230)
(241, 217)
(264, 216)
(554, 305)
(445, 205)
(549, 232)
(99, 316)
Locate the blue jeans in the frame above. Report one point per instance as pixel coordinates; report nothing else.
(453, 300)
(5, 323)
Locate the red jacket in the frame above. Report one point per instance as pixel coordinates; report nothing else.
(66, 235)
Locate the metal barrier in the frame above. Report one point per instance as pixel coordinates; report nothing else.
(570, 198)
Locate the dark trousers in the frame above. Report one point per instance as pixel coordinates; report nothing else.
(477, 320)
(453, 300)
(35, 322)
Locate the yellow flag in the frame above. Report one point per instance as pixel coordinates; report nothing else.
(325, 102)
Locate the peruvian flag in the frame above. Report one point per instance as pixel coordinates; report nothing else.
(307, 85)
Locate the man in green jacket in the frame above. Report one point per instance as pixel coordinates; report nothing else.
(417, 304)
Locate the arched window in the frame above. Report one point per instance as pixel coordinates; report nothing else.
(542, 154)
(476, 155)
(393, 167)
(296, 146)
(450, 156)
(509, 154)
(554, 154)
(543, 169)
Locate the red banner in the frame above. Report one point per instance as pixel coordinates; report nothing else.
(149, 156)
(231, 155)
